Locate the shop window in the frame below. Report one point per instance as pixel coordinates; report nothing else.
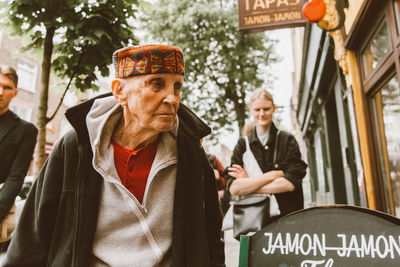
(386, 108)
(27, 73)
(376, 49)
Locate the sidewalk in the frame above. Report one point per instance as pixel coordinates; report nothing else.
(232, 247)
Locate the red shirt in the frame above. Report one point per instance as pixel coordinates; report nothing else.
(133, 166)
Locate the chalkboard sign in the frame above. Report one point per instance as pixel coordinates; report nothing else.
(325, 237)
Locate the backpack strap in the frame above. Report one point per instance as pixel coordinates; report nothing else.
(247, 143)
(276, 146)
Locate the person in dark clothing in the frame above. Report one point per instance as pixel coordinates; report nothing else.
(217, 166)
(220, 174)
(130, 185)
(17, 143)
(282, 178)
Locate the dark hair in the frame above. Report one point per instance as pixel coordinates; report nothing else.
(10, 73)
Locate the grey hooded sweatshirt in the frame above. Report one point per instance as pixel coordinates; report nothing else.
(129, 233)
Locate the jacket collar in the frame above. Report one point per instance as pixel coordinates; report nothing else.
(191, 124)
(188, 121)
(10, 120)
(253, 135)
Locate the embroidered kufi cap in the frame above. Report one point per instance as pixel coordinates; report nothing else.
(148, 59)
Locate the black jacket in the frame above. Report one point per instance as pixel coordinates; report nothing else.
(288, 159)
(58, 223)
(17, 142)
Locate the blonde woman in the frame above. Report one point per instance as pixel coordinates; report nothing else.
(282, 177)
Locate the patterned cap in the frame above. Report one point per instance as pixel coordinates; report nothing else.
(148, 59)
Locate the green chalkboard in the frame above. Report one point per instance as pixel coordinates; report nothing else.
(325, 237)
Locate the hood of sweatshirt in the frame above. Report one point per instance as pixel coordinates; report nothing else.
(122, 218)
(101, 121)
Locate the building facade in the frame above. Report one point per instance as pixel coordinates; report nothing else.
(25, 105)
(347, 106)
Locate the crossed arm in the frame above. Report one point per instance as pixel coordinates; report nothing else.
(272, 182)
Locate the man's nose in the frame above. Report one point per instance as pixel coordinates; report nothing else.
(171, 99)
(171, 96)
(1, 90)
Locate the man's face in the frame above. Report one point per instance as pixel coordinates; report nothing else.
(151, 100)
(7, 92)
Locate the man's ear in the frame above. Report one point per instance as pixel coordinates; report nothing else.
(116, 87)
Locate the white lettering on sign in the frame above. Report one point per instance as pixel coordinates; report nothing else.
(267, 4)
(284, 16)
(304, 244)
(272, 18)
(359, 246)
(258, 3)
(310, 263)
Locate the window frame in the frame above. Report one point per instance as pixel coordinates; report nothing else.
(388, 67)
(34, 73)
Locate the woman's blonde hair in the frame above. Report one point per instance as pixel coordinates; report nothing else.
(248, 128)
(256, 94)
(261, 93)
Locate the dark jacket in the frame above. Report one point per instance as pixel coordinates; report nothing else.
(288, 159)
(58, 223)
(17, 142)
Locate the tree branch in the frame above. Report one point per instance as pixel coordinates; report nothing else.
(65, 91)
(212, 77)
(61, 100)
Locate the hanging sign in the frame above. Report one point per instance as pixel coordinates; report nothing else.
(261, 15)
(325, 237)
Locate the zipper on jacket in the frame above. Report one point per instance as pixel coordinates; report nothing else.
(203, 178)
(77, 204)
(156, 171)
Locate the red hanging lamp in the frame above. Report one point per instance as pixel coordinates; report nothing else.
(314, 10)
(317, 11)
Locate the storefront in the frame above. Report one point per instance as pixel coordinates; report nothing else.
(374, 42)
(349, 107)
(325, 123)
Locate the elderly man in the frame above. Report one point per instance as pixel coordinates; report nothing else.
(131, 184)
(17, 142)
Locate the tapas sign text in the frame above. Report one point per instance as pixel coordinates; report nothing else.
(259, 15)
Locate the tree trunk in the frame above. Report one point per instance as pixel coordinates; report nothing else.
(240, 108)
(42, 119)
(240, 114)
